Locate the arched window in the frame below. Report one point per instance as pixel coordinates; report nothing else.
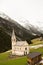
(25, 48)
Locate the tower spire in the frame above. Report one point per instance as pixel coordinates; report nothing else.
(13, 41)
(13, 36)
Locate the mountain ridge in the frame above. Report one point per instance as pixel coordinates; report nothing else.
(9, 24)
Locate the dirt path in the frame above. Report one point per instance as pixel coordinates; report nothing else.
(36, 46)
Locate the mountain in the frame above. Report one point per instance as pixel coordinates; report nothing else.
(23, 29)
(35, 30)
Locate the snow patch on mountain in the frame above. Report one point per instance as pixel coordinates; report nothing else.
(4, 16)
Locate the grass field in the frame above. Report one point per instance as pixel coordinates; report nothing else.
(35, 44)
(36, 41)
(37, 50)
(5, 60)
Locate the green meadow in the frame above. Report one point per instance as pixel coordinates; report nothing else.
(37, 50)
(6, 60)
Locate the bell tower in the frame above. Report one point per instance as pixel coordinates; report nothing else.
(13, 41)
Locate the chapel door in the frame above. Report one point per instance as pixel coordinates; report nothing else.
(25, 53)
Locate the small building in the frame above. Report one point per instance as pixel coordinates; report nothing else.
(34, 58)
(19, 47)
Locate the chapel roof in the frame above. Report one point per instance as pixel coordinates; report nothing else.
(21, 43)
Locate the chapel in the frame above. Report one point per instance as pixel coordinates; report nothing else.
(19, 47)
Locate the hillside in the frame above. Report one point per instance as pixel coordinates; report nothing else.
(22, 33)
(37, 40)
(5, 58)
(5, 42)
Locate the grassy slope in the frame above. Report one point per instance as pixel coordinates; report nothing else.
(38, 50)
(36, 42)
(4, 60)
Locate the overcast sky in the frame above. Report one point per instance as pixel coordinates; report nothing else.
(32, 10)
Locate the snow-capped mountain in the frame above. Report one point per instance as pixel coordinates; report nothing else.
(4, 16)
(23, 28)
(29, 26)
(34, 25)
(25, 23)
